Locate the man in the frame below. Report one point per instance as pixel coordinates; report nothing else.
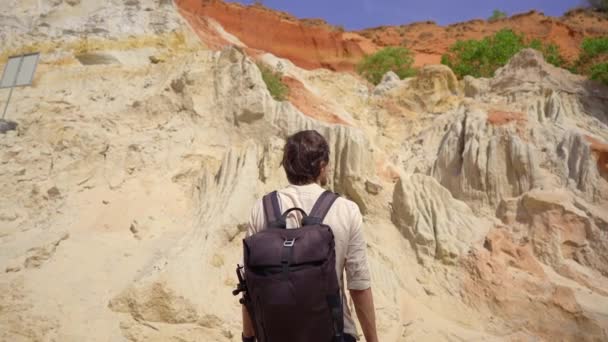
(305, 160)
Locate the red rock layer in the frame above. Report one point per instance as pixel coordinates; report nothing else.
(507, 279)
(432, 40)
(313, 43)
(600, 150)
(499, 118)
(204, 31)
(309, 44)
(308, 103)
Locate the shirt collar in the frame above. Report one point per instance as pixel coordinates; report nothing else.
(312, 187)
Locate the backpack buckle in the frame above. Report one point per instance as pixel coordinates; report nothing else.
(289, 243)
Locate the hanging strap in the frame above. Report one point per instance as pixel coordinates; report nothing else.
(287, 256)
(335, 305)
(320, 209)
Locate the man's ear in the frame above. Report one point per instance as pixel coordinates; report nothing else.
(324, 166)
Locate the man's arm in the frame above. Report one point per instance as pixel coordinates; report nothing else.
(364, 306)
(248, 331)
(359, 279)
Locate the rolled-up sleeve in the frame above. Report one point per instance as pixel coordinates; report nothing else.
(357, 269)
(256, 219)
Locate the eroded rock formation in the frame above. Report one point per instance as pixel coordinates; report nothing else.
(436, 224)
(127, 185)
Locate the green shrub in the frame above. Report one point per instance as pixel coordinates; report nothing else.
(550, 52)
(599, 72)
(593, 51)
(600, 5)
(497, 15)
(593, 47)
(274, 82)
(481, 58)
(396, 59)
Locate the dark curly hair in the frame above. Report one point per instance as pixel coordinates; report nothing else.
(304, 156)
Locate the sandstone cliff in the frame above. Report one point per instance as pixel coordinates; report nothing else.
(140, 150)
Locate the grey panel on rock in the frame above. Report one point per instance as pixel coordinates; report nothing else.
(19, 71)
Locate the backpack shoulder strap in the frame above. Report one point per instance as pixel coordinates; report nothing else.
(321, 208)
(272, 210)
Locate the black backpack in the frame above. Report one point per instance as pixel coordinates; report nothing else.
(289, 284)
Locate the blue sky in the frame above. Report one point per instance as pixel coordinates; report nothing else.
(358, 14)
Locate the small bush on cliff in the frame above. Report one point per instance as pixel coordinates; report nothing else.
(497, 14)
(481, 58)
(274, 82)
(593, 47)
(549, 51)
(599, 72)
(396, 59)
(600, 5)
(594, 52)
(593, 60)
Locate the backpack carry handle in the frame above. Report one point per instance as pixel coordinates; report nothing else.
(288, 211)
(281, 222)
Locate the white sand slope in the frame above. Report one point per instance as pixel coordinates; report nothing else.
(127, 186)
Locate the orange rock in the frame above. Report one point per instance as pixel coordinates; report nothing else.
(496, 283)
(315, 44)
(600, 150)
(386, 171)
(204, 31)
(499, 118)
(507, 253)
(308, 103)
(564, 298)
(308, 44)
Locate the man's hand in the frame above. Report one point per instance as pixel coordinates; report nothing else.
(248, 331)
(364, 306)
(248, 339)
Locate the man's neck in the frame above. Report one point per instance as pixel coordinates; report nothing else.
(307, 184)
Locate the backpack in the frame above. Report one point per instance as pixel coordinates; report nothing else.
(289, 282)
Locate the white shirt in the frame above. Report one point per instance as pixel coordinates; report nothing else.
(346, 222)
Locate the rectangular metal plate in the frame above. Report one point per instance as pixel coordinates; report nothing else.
(28, 68)
(10, 72)
(19, 70)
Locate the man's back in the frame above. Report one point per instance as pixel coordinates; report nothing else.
(345, 220)
(306, 164)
